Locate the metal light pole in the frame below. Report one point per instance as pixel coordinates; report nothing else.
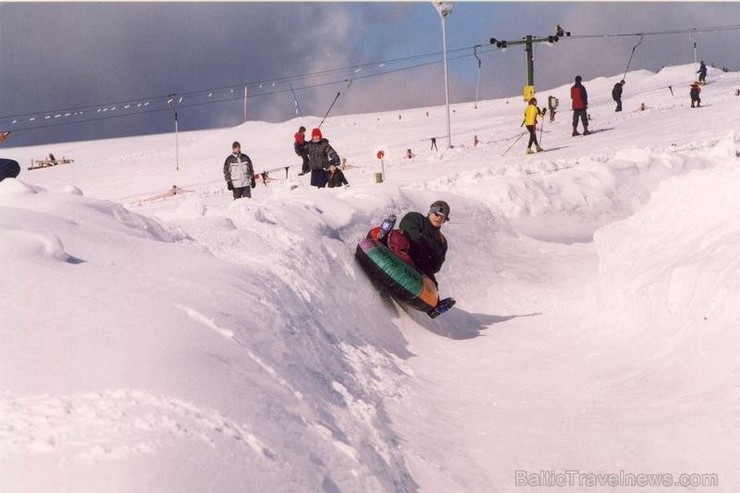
(170, 98)
(444, 9)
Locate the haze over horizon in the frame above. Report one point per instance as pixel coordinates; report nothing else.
(98, 70)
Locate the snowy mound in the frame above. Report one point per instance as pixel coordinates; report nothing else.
(676, 258)
(158, 336)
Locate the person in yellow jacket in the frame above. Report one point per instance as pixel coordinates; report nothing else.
(530, 121)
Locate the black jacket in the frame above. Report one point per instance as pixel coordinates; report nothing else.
(335, 179)
(428, 244)
(320, 154)
(617, 92)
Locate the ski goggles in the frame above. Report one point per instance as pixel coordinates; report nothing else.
(437, 211)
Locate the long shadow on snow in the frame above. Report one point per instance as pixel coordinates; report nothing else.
(458, 324)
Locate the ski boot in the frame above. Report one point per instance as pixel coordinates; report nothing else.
(441, 307)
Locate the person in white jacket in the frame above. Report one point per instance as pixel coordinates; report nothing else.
(239, 172)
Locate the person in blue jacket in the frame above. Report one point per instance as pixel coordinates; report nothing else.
(702, 73)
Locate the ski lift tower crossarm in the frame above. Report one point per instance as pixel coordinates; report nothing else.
(528, 42)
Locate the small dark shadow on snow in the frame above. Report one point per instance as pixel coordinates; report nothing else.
(599, 130)
(329, 486)
(74, 260)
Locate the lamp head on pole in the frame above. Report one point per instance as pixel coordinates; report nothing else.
(444, 8)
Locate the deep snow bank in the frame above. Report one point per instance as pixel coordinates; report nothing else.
(146, 350)
(676, 259)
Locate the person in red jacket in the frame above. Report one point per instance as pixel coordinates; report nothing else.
(580, 103)
(694, 93)
(299, 146)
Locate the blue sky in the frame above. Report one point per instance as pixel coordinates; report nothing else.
(73, 71)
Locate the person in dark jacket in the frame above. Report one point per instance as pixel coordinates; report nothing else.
(320, 155)
(335, 177)
(617, 94)
(694, 93)
(419, 241)
(8, 167)
(580, 103)
(702, 73)
(299, 146)
(239, 173)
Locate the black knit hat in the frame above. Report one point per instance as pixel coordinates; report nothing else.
(441, 207)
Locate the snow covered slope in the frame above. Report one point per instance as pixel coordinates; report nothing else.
(194, 343)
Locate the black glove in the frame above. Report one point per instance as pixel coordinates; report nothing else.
(253, 183)
(229, 185)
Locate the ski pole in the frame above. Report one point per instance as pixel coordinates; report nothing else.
(512, 144)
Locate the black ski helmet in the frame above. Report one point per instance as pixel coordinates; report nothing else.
(442, 207)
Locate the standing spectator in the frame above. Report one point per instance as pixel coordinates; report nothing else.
(8, 167)
(299, 145)
(434, 144)
(702, 73)
(239, 173)
(580, 103)
(335, 177)
(320, 154)
(530, 121)
(617, 94)
(694, 93)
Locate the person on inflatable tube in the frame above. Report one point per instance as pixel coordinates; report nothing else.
(419, 241)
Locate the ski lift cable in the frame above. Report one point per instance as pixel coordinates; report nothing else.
(735, 27)
(212, 90)
(146, 101)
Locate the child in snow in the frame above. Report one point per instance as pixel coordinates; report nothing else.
(694, 93)
(335, 177)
